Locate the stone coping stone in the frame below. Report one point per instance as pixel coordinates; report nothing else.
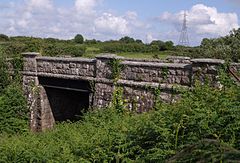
(178, 57)
(62, 76)
(235, 64)
(145, 60)
(151, 84)
(30, 54)
(208, 60)
(109, 56)
(150, 64)
(75, 59)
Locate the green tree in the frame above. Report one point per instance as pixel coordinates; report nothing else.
(169, 45)
(79, 39)
(127, 40)
(223, 48)
(139, 41)
(4, 37)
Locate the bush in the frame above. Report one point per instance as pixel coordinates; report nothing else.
(13, 110)
(49, 47)
(128, 47)
(108, 135)
(4, 37)
(4, 75)
(60, 49)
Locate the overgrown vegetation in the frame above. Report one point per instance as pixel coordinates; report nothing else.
(13, 107)
(203, 126)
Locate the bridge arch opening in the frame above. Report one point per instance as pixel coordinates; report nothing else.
(65, 99)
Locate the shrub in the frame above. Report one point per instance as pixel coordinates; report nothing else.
(4, 75)
(4, 37)
(13, 110)
(61, 49)
(128, 47)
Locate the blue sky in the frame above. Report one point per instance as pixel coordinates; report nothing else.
(112, 19)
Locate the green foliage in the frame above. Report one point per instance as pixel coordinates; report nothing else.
(116, 68)
(13, 107)
(224, 48)
(4, 75)
(61, 50)
(127, 39)
(13, 110)
(48, 46)
(203, 126)
(117, 101)
(162, 46)
(199, 152)
(79, 39)
(118, 47)
(4, 37)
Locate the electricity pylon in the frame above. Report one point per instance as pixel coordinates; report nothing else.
(183, 40)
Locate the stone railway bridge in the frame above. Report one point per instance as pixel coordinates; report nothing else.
(59, 89)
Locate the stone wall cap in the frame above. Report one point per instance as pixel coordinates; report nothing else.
(208, 60)
(156, 64)
(178, 57)
(33, 54)
(108, 56)
(235, 64)
(64, 59)
(146, 60)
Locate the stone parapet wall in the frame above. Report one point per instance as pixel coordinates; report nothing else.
(170, 73)
(66, 66)
(235, 66)
(205, 69)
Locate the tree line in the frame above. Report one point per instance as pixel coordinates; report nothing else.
(226, 47)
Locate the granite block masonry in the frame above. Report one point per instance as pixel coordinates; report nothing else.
(57, 88)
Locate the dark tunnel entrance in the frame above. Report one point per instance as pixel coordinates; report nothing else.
(67, 99)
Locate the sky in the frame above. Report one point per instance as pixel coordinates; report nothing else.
(147, 20)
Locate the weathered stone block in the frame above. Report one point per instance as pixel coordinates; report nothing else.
(66, 66)
(72, 65)
(185, 80)
(172, 72)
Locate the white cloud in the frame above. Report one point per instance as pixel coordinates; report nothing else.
(86, 6)
(43, 18)
(109, 23)
(150, 38)
(202, 19)
(132, 15)
(39, 4)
